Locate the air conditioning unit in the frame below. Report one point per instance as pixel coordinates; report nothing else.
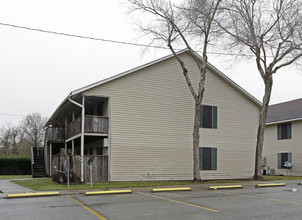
(105, 142)
(288, 164)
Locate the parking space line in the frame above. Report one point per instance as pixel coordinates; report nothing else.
(184, 203)
(259, 197)
(87, 208)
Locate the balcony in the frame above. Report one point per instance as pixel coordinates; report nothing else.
(54, 134)
(93, 125)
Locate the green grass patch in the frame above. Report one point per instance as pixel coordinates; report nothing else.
(225, 181)
(48, 184)
(13, 177)
(281, 178)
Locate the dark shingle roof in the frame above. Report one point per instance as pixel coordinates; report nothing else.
(285, 111)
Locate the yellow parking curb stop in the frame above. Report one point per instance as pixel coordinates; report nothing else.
(24, 195)
(226, 187)
(171, 189)
(108, 192)
(270, 185)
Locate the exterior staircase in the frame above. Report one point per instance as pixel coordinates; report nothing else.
(37, 162)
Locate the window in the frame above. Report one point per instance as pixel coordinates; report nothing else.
(91, 151)
(282, 158)
(100, 109)
(284, 131)
(207, 158)
(208, 116)
(99, 151)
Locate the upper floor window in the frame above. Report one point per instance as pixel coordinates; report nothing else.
(208, 116)
(284, 131)
(207, 158)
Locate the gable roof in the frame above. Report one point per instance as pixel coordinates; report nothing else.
(210, 66)
(283, 112)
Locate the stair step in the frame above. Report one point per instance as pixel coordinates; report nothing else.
(39, 170)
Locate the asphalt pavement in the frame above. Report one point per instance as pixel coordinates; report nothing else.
(8, 187)
(248, 202)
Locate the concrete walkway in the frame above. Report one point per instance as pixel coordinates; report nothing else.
(8, 187)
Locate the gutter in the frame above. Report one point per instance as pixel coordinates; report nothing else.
(283, 121)
(74, 102)
(82, 131)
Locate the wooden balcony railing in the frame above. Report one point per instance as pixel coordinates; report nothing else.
(96, 124)
(93, 124)
(55, 134)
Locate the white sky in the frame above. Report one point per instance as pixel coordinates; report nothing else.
(38, 70)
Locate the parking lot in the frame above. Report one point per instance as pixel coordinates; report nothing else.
(247, 203)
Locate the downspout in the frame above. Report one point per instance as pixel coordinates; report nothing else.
(82, 132)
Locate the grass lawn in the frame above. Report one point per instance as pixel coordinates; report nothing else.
(281, 178)
(47, 184)
(12, 177)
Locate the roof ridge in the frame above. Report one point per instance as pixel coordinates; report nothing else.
(280, 103)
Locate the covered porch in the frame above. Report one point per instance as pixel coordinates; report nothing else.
(78, 130)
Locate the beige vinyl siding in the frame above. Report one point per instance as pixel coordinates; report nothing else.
(235, 136)
(151, 118)
(272, 147)
(151, 128)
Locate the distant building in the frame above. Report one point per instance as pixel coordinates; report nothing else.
(283, 138)
(139, 126)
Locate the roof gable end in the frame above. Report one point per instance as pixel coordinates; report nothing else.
(210, 66)
(78, 92)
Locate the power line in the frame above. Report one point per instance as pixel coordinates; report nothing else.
(110, 41)
(14, 115)
(82, 37)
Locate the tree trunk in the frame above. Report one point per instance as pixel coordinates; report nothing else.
(196, 142)
(268, 81)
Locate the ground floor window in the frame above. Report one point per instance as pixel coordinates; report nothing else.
(282, 158)
(207, 158)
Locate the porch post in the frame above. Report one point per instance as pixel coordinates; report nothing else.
(50, 161)
(65, 141)
(72, 147)
(82, 138)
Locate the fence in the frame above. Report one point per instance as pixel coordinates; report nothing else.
(62, 163)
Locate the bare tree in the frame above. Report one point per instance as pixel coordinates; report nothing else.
(10, 137)
(5, 143)
(32, 127)
(272, 31)
(172, 25)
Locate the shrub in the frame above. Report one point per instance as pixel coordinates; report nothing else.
(15, 166)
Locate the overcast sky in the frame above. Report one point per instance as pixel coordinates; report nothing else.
(38, 70)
